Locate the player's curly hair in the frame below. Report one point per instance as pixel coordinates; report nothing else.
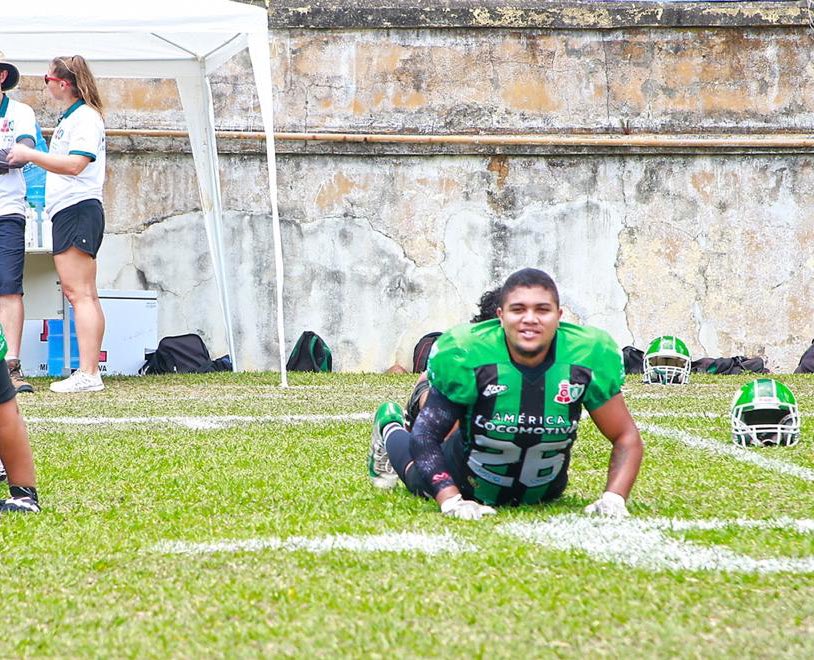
(487, 306)
(529, 277)
(75, 70)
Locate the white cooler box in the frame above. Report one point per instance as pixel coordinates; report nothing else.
(131, 329)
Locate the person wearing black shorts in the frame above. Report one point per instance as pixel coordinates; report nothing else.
(75, 167)
(17, 126)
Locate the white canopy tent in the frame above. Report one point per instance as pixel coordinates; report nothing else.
(181, 39)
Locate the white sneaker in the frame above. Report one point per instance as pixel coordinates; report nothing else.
(79, 381)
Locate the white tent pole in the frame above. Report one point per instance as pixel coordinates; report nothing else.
(259, 52)
(196, 98)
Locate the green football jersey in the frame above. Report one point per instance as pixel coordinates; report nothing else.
(517, 433)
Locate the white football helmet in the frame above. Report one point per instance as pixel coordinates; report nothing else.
(764, 412)
(667, 361)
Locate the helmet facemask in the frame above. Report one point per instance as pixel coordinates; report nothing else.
(766, 426)
(666, 370)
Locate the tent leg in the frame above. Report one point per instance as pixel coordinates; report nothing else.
(259, 51)
(196, 98)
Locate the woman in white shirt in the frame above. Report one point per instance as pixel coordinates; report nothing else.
(75, 166)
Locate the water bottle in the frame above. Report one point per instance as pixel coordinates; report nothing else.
(35, 191)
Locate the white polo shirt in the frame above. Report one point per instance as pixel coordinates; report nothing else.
(81, 132)
(16, 123)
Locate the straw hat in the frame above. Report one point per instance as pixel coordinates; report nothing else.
(13, 76)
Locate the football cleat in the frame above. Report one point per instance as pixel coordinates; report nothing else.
(764, 412)
(19, 505)
(381, 473)
(667, 362)
(3, 475)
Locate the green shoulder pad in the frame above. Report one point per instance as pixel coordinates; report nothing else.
(456, 355)
(596, 349)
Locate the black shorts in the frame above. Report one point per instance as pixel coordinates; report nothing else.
(412, 410)
(12, 254)
(7, 390)
(81, 226)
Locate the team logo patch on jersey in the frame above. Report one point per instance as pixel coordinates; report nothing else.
(494, 390)
(569, 392)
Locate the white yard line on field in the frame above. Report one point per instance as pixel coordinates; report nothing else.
(642, 543)
(680, 415)
(798, 525)
(731, 451)
(395, 542)
(699, 396)
(202, 422)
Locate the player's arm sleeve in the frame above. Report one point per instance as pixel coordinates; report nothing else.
(608, 374)
(86, 140)
(436, 419)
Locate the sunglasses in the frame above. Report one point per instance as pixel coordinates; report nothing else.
(50, 78)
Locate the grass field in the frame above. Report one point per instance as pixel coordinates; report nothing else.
(223, 516)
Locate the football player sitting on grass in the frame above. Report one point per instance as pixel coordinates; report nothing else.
(517, 385)
(15, 452)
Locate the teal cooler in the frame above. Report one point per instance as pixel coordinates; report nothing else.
(56, 351)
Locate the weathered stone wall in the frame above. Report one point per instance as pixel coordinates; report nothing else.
(529, 81)
(383, 242)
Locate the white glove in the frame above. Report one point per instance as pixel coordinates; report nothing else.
(457, 507)
(611, 505)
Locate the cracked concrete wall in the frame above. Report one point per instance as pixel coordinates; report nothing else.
(712, 249)
(383, 246)
(380, 250)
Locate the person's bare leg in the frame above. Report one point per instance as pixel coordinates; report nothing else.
(15, 450)
(77, 274)
(11, 318)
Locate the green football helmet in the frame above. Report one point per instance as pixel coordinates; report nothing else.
(667, 361)
(764, 412)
